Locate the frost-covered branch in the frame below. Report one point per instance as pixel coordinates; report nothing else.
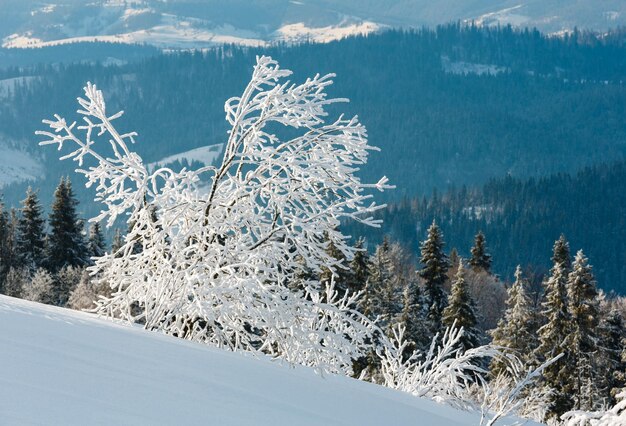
(444, 373)
(213, 264)
(503, 395)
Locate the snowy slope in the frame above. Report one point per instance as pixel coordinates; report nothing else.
(207, 155)
(64, 367)
(195, 23)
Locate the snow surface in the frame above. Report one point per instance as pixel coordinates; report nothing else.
(65, 367)
(17, 165)
(300, 32)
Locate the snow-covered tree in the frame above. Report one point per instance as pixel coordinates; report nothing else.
(583, 307)
(117, 243)
(480, 260)
(215, 265)
(435, 265)
(515, 332)
(96, 246)
(379, 297)
(15, 281)
(461, 311)
(65, 281)
(555, 334)
(83, 297)
(413, 317)
(39, 287)
(611, 364)
(358, 268)
(30, 238)
(66, 245)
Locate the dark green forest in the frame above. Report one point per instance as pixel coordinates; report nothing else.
(521, 218)
(558, 104)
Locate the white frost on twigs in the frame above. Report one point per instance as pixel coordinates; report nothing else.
(215, 267)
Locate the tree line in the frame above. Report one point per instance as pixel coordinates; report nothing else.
(566, 314)
(522, 217)
(45, 260)
(425, 294)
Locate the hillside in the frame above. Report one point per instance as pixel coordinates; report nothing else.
(66, 367)
(522, 218)
(439, 118)
(193, 23)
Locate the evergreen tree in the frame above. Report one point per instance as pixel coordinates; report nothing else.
(516, 330)
(413, 317)
(555, 334)
(435, 265)
(583, 308)
(117, 242)
(561, 254)
(461, 311)
(340, 275)
(611, 364)
(358, 268)
(66, 245)
(96, 246)
(5, 249)
(15, 281)
(376, 298)
(30, 239)
(65, 281)
(480, 258)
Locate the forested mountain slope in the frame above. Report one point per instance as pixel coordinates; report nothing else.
(450, 106)
(522, 218)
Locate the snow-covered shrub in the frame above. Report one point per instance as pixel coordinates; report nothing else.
(445, 373)
(210, 251)
(39, 288)
(15, 281)
(83, 297)
(616, 416)
(448, 374)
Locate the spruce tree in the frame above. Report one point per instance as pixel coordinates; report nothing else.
(582, 297)
(480, 259)
(66, 245)
(358, 268)
(413, 317)
(96, 246)
(374, 303)
(611, 365)
(461, 311)
(340, 275)
(5, 249)
(435, 265)
(117, 242)
(516, 330)
(30, 238)
(555, 334)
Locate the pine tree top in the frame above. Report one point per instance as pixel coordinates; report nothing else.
(461, 309)
(480, 258)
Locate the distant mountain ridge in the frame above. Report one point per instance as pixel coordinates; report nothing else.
(196, 24)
